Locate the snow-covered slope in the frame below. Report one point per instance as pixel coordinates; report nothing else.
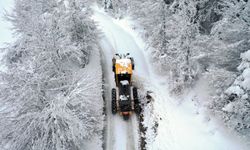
(180, 127)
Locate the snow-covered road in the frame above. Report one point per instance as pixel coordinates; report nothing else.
(120, 134)
(180, 128)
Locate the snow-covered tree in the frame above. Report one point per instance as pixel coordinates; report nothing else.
(201, 40)
(171, 29)
(50, 98)
(237, 107)
(225, 46)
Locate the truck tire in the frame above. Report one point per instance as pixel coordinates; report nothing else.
(133, 64)
(135, 94)
(113, 64)
(113, 101)
(136, 100)
(137, 109)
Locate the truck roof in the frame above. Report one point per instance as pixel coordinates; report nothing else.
(123, 66)
(123, 62)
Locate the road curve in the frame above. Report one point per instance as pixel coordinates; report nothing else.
(119, 134)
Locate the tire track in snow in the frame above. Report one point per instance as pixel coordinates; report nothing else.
(119, 134)
(109, 140)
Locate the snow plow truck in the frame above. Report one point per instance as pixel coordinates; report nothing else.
(124, 96)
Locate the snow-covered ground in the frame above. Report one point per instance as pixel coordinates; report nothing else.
(120, 134)
(180, 126)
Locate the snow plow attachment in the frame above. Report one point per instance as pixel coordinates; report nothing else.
(124, 96)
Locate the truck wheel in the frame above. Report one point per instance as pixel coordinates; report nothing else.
(137, 109)
(136, 100)
(113, 66)
(135, 94)
(133, 64)
(113, 102)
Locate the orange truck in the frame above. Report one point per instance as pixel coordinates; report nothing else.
(124, 96)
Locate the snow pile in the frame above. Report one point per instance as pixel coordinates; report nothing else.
(123, 62)
(124, 82)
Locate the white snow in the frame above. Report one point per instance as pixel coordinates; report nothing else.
(123, 98)
(246, 76)
(124, 82)
(245, 60)
(180, 127)
(235, 89)
(66, 3)
(123, 62)
(229, 107)
(5, 27)
(120, 134)
(246, 56)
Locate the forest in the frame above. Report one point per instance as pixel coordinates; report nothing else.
(51, 93)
